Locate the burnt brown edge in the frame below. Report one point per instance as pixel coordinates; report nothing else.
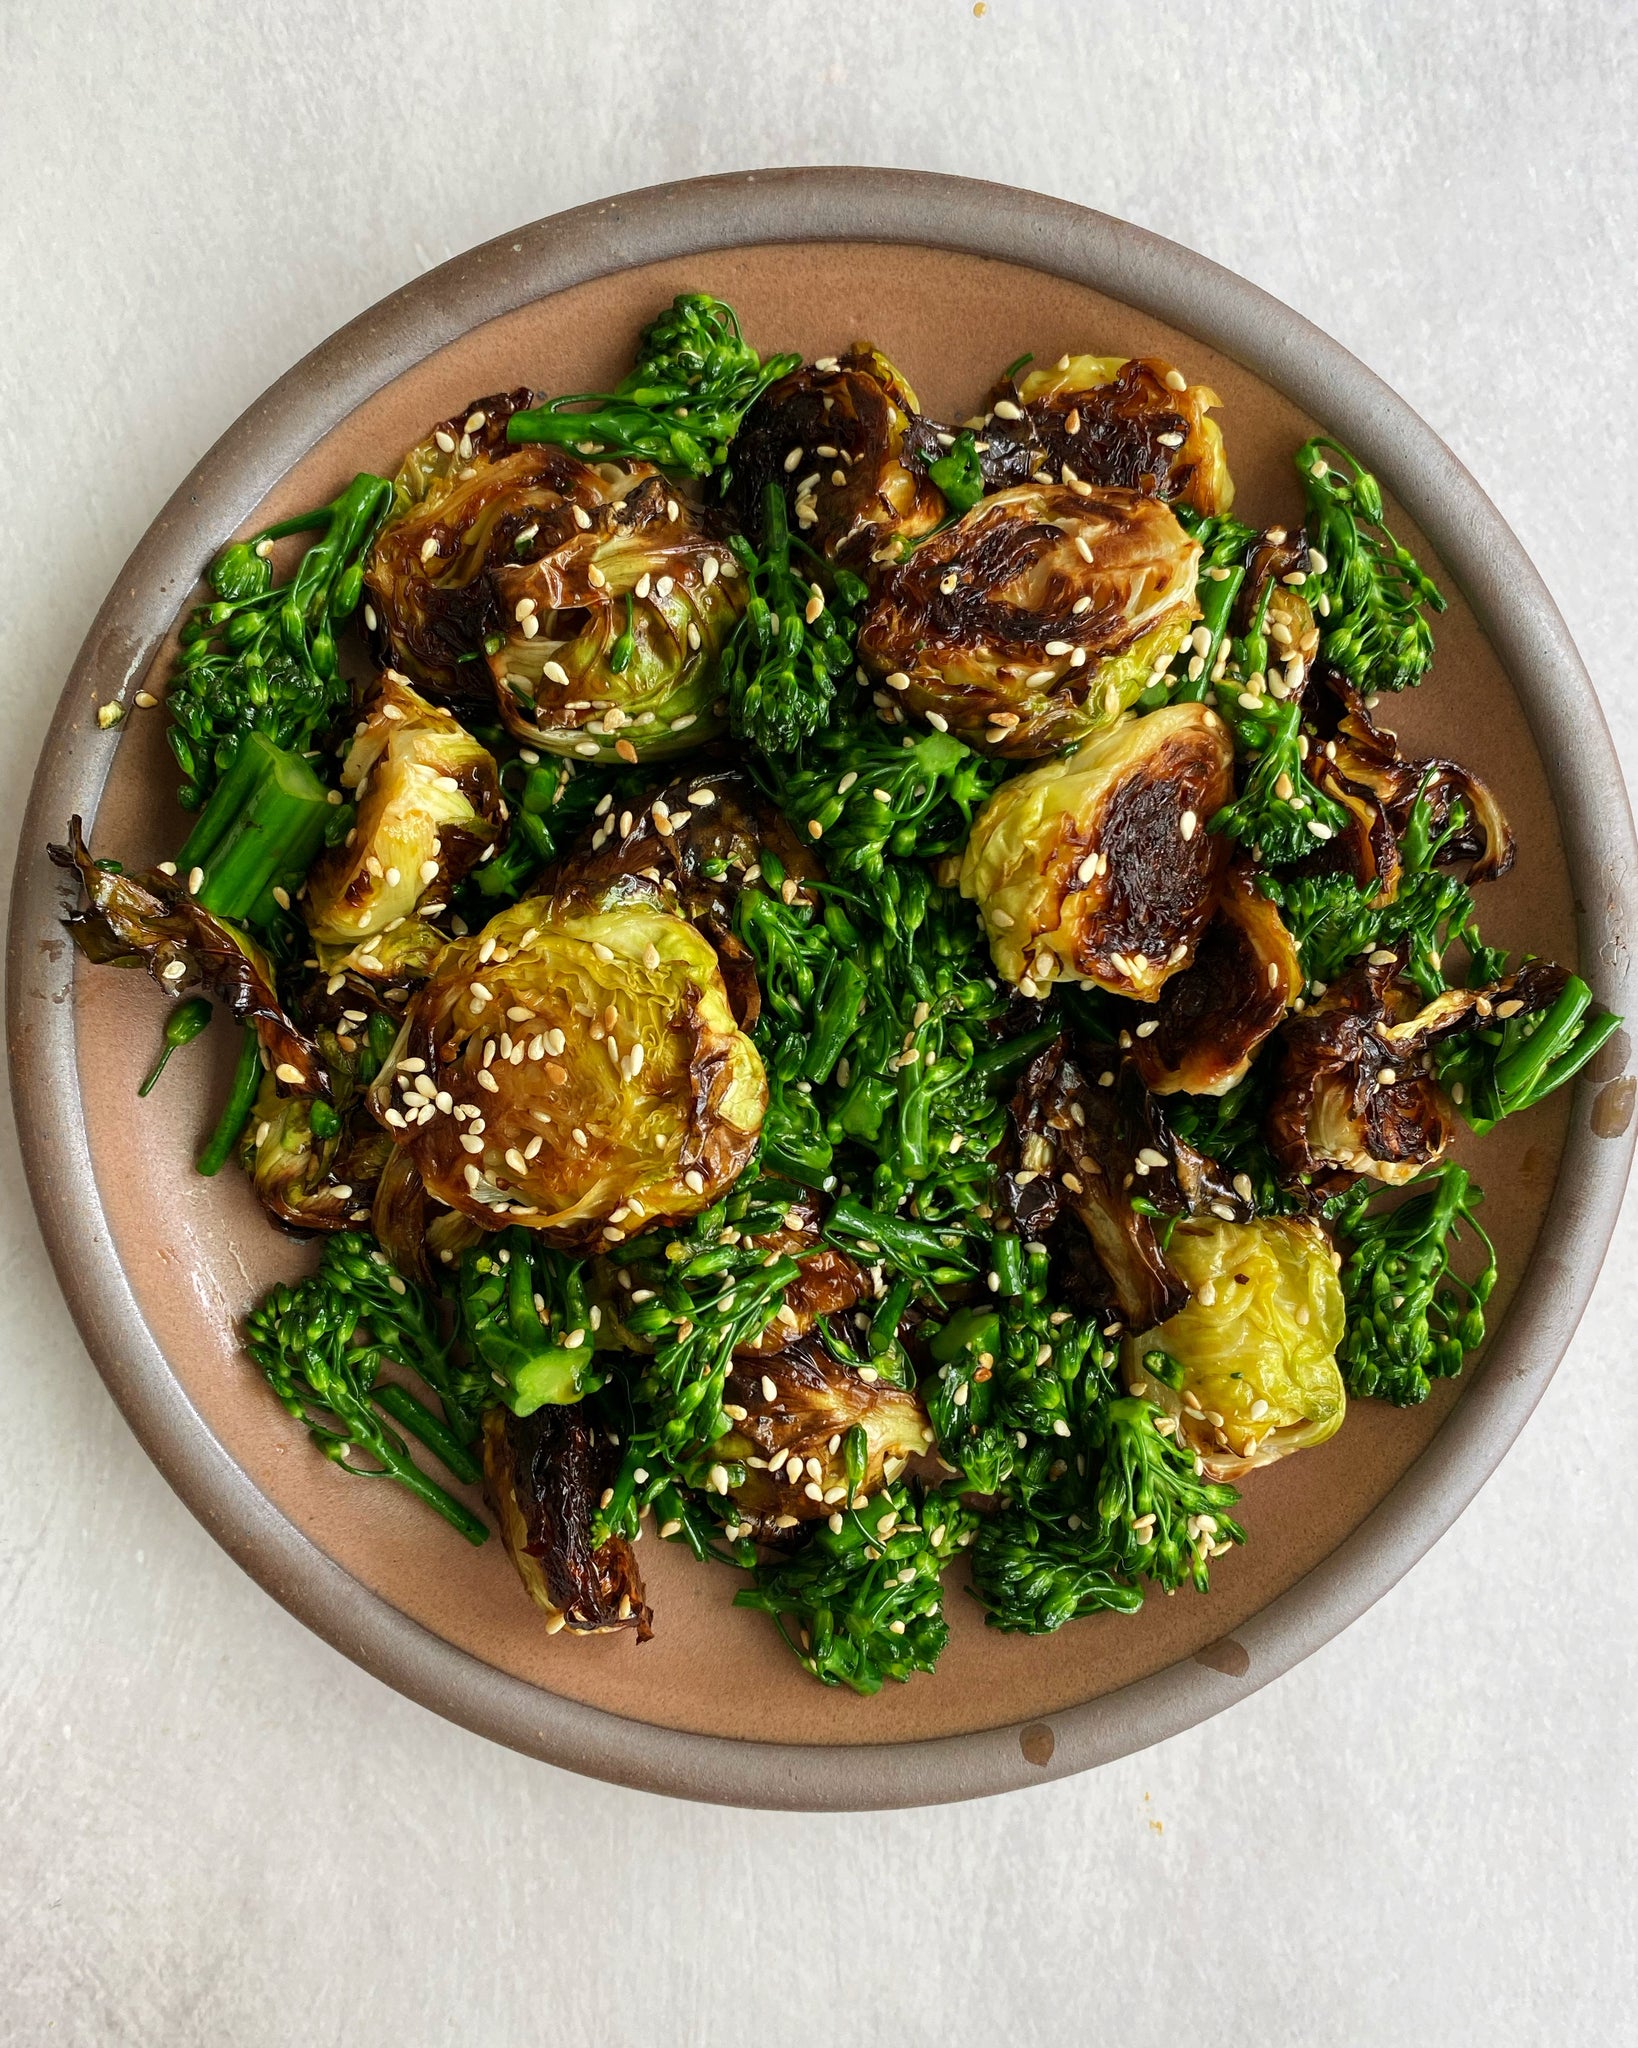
(684, 219)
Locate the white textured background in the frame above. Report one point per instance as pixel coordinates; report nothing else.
(215, 1830)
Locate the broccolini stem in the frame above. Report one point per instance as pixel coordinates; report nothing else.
(381, 1444)
(247, 1078)
(1012, 1053)
(936, 1255)
(1007, 1261)
(409, 1413)
(261, 829)
(1216, 607)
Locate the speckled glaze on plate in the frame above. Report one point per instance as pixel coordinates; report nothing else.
(953, 278)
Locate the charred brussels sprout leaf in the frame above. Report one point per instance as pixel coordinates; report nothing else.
(1098, 867)
(1213, 1018)
(544, 1474)
(1354, 1093)
(680, 405)
(863, 1603)
(1037, 618)
(151, 921)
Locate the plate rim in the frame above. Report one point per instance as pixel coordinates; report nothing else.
(677, 220)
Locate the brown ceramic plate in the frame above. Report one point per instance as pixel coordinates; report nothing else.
(953, 279)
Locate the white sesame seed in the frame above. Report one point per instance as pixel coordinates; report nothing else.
(1186, 824)
(287, 1073)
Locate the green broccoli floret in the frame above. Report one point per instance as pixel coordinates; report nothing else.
(1368, 593)
(862, 1602)
(1162, 1519)
(694, 380)
(262, 658)
(1034, 1569)
(311, 1342)
(1410, 1318)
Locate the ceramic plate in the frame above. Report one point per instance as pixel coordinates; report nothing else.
(952, 279)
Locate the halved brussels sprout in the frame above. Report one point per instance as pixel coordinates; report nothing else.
(311, 1168)
(315, 1164)
(544, 1475)
(578, 1071)
(1356, 1094)
(1248, 1367)
(429, 803)
(833, 435)
(1102, 1151)
(612, 636)
(1037, 618)
(1128, 421)
(792, 1440)
(151, 921)
(1212, 1019)
(1099, 867)
(591, 595)
(461, 499)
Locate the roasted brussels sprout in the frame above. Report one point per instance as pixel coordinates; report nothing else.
(833, 435)
(1104, 1153)
(1099, 868)
(1037, 618)
(592, 595)
(544, 1474)
(460, 499)
(580, 1072)
(613, 636)
(1248, 1367)
(315, 1163)
(429, 804)
(1212, 1019)
(827, 1282)
(792, 1410)
(1355, 1092)
(151, 921)
(310, 1168)
(1133, 422)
